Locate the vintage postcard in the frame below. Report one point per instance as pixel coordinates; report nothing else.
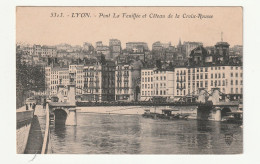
(129, 80)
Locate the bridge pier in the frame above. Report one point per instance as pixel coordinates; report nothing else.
(71, 117)
(217, 115)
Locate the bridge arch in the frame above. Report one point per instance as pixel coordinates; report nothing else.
(60, 116)
(224, 111)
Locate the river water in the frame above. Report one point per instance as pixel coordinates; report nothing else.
(106, 133)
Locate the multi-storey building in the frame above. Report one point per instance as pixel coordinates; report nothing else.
(210, 68)
(102, 49)
(158, 46)
(157, 83)
(229, 79)
(131, 46)
(76, 55)
(28, 50)
(189, 46)
(55, 76)
(147, 85)
(163, 83)
(87, 46)
(99, 82)
(218, 55)
(43, 51)
(48, 51)
(79, 79)
(127, 79)
(37, 50)
(76, 77)
(92, 82)
(47, 79)
(115, 47)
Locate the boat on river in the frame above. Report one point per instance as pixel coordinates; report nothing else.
(234, 117)
(166, 114)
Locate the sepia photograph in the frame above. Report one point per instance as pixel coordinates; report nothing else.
(129, 80)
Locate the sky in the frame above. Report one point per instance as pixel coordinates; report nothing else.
(34, 25)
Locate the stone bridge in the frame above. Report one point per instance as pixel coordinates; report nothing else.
(63, 111)
(220, 108)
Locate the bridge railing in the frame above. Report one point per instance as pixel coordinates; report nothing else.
(46, 139)
(139, 103)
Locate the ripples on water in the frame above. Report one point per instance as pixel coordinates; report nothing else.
(133, 134)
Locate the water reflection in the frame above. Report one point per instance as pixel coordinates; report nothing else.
(133, 134)
(60, 131)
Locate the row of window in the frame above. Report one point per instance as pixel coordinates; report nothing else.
(147, 79)
(54, 82)
(205, 69)
(53, 87)
(236, 74)
(151, 93)
(150, 79)
(54, 72)
(232, 91)
(120, 79)
(216, 83)
(236, 82)
(148, 86)
(79, 81)
(213, 83)
(54, 76)
(200, 76)
(120, 91)
(120, 85)
(147, 73)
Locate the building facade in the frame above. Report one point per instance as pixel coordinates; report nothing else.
(157, 83)
(189, 46)
(103, 49)
(136, 46)
(127, 81)
(55, 76)
(147, 85)
(115, 47)
(99, 82)
(229, 80)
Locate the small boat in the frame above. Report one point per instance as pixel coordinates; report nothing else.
(148, 114)
(166, 114)
(234, 117)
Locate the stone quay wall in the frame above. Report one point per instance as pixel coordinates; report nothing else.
(23, 125)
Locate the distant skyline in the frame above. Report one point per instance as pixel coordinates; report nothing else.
(106, 43)
(35, 26)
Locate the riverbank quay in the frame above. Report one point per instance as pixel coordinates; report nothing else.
(23, 124)
(201, 111)
(138, 110)
(37, 132)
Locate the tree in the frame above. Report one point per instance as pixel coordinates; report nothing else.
(28, 78)
(159, 64)
(171, 65)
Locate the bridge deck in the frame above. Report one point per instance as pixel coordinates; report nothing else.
(140, 103)
(35, 139)
(61, 104)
